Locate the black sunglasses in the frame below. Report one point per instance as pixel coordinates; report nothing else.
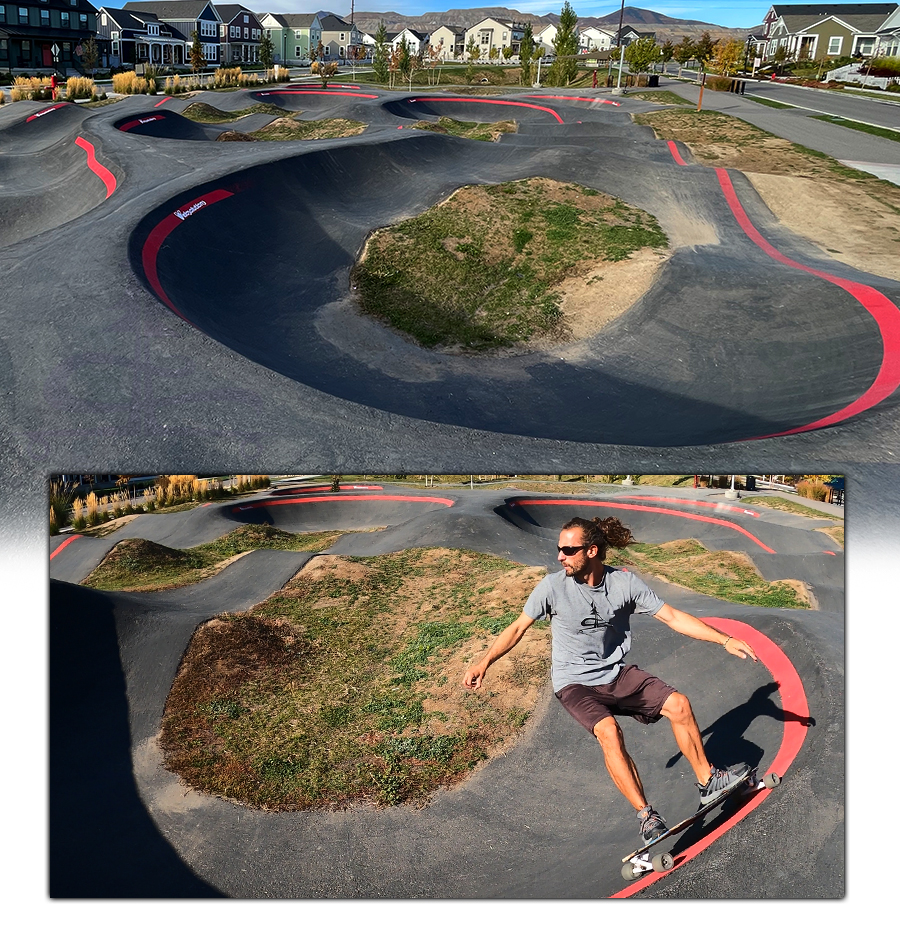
(569, 550)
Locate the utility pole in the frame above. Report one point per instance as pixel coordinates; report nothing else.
(622, 52)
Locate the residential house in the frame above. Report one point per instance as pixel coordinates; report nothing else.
(339, 37)
(131, 37)
(452, 41)
(592, 39)
(544, 39)
(240, 34)
(824, 30)
(889, 36)
(188, 17)
(495, 34)
(293, 35)
(31, 29)
(417, 42)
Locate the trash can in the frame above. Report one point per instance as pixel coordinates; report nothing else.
(653, 80)
(750, 483)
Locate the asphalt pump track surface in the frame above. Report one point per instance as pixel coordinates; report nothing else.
(748, 331)
(541, 821)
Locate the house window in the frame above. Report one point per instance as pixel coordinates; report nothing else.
(834, 44)
(4, 48)
(298, 51)
(45, 18)
(2, 13)
(26, 46)
(153, 30)
(23, 15)
(115, 48)
(246, 19)
(64, 19)
(865, 46)
(103, 19)
(82, 20)
(246, 33)
(343, 34)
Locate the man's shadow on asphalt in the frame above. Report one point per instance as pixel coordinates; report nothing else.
(726, 744)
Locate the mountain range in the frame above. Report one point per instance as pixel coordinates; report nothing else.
(665, 27)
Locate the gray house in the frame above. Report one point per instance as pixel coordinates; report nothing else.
(188, 16)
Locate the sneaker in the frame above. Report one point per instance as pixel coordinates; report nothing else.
(652, 824)
(721, 781)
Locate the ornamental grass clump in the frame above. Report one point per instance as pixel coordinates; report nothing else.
(80, 88)
(129, 83)
(31, 88)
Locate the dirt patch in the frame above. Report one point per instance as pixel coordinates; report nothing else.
(232, 136)
(852, 216)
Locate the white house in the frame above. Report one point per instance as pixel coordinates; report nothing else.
(452, 41)
(495, 33)
(593, 39)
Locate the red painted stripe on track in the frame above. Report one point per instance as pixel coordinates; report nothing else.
(532, 106)
(343, 497)
(673, 148)
(50, 109)
(668, 512)
(695, 502)
(65, 544)
(795, 707)
(143, 120)
(155, 105)
(548, 96)
(107, 176)
(160, 233)
(882, 310)
(327, 93)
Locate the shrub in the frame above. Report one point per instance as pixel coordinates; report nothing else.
(129, 82)
(812, 489)
(718, 83)
(31, 88)
(2, 98)
(80, 88)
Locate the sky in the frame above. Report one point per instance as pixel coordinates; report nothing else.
(735, 14)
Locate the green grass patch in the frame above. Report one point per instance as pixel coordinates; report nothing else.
(659, 96)
(725, 575)
(290, 129)
(858, 126)
(139, 564)
(478, 271)
(345, 686)
(787, 505)
(477, 131)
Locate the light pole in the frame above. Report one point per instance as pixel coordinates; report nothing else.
(622, 52)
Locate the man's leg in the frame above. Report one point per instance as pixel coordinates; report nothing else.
(677, 709)
(619, 763)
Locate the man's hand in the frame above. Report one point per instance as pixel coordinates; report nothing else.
(474, 677)
(740, 649)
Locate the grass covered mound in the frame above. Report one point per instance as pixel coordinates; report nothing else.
(137, 564)
(478, 271)
(345, 686)
(477, 131)
(289, 129)
(203, 112)
(725, 575)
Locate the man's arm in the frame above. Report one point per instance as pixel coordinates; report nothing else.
(505, 641)
(686, 624)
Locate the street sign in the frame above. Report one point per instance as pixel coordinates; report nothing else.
(55, 50)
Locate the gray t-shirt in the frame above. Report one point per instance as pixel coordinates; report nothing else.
(591, 625)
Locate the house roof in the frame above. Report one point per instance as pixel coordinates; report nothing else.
(172, 9)
(332, 23)
(821, 10)
(862, 22)
(229, 10)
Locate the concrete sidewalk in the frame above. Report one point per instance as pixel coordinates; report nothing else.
(869, 153)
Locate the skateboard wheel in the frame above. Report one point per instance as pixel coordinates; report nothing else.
(628, 873)
(663, 862)
(771, 780)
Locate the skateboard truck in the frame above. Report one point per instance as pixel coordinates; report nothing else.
(638, 863)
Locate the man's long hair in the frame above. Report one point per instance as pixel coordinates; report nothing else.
(604, 533)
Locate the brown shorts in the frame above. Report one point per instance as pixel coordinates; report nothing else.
(634, 692)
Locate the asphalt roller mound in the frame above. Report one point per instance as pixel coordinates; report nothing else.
(122, 826)
(707, 355)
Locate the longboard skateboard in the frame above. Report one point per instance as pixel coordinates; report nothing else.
(639, 862)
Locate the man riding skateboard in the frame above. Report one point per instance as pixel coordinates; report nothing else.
(589, 606)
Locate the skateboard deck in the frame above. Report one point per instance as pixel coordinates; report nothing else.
(639, 862)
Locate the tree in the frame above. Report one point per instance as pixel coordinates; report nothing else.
(565, 45)
(90, 55)
(683, 53)
(380, 58)
(327, 70)
(434, 58)
(526, 54)
(780, 57)
(704, 50)
(404, 61)
(666, 52)
(729, 56)
(358, 53)
(198, 59)
(641, 53)
(267, 52)
(472, 51)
